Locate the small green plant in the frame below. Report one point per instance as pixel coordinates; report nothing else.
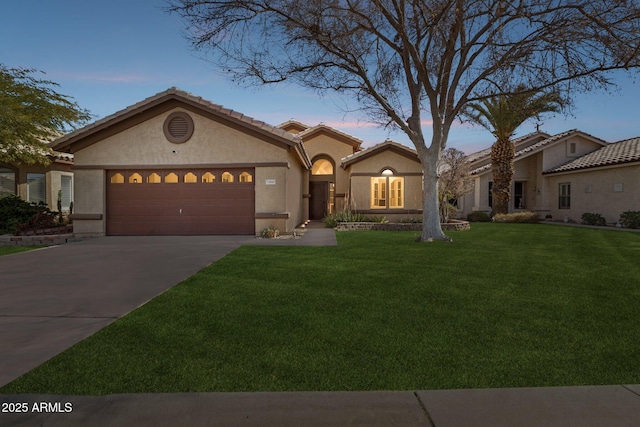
(333, 219)
(478, 216)
(630, 219)
(411, 220)
(593, 219)
(270, 232)
(519, 217)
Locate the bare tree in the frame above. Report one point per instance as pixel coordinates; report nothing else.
(455, 180)
(403, 59)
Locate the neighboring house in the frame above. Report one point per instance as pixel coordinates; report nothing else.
(175, 163)
(38, 183)
(605, 181)
(563, 175)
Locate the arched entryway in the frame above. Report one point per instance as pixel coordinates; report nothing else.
(322, 187)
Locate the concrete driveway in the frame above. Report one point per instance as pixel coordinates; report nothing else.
(53, 298)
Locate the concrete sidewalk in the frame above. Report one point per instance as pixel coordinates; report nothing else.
(601, 406)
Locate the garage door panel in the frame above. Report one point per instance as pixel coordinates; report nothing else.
(180, 208)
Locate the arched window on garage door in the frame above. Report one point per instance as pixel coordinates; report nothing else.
(246, 177)
(135, 178)
(117, 178)
(208, 177)
(227, 177)
(190, 177)
(154, 178)
(171, 178)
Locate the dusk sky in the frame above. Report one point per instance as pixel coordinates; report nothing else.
(111, 54)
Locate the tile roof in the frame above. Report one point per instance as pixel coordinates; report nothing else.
(486, 153)
(386, 145)
(535, 147)
(295, 124)
(175, 93)
(613, 154)
(355, 141)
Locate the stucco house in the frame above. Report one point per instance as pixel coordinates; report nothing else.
(605, 181)
(40, 183)
(563, 175)
(175, 163)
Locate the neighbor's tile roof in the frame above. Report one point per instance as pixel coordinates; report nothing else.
(486, 153)
(175, 93)
(538, 145)
(619, 152)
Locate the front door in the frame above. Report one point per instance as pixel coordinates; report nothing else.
(318, 200)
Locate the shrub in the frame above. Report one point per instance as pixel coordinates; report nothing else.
(630, 219)
(270, 232)
(519, 217)
(478, 216)
(16, 213)
(41, 220)
(333, 219)
(593, 219)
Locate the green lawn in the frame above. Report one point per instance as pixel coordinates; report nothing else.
(6, 250)
(505, 305)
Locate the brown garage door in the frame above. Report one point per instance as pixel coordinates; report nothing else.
(180, 202)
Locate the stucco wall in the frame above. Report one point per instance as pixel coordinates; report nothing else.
(89, 187)
(295, 189)
(212, 143)
(323, 145)
(362, 172)
(593, 190)
(558, 154)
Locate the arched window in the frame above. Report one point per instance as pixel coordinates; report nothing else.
(227, 177)
(190, 177)
(135, 178)
(322, 167)
(171, 178)
(117, 178)
(154, 178)
(208, 177)
(246, 177)
(387, 191)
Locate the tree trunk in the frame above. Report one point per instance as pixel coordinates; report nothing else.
(431, 229)
(502, 154)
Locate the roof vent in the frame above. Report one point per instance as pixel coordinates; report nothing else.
(178, 127)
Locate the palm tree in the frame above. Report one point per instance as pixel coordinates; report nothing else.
(502, 115)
